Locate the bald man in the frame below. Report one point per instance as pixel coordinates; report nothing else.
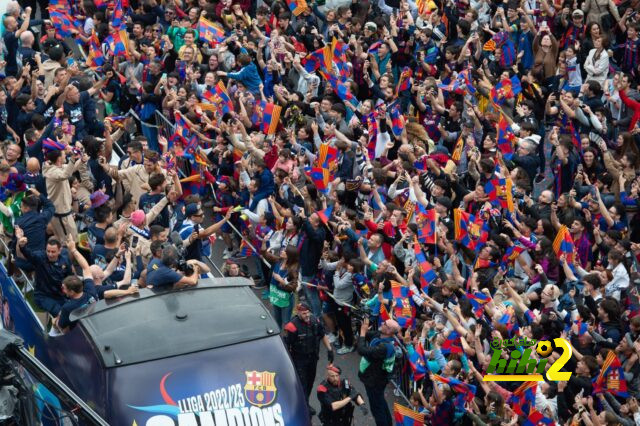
(33, 178)
(112, 290)
(10, 37)
(378, 353)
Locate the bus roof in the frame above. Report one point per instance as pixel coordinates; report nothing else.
(156, 325)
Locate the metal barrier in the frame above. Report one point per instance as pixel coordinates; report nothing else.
(28, 283)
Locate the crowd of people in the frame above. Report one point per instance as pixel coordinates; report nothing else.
(412, 180)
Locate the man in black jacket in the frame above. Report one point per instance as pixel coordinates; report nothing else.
(312, 237)
(34, 224)
(378, 357)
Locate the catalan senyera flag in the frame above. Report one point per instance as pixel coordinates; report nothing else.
(405, 416)
(211, 32)
(457, 150)
(611, 378)
(95, 58)
(327, 157)
(118, 43)
(563, 244)
(297, 6)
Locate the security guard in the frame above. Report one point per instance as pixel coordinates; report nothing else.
(302, 336)
(336, 399)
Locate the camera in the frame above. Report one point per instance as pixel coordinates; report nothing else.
(362, 311)
(184, 267)
(182, 264)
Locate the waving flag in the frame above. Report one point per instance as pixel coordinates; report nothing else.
(496, 189)
(325, 214)
(218, 96)
(320, 178)
(452, 345)
(340, 88)
(397, 119)
(510, 255)
(372, 128)
(62, 21)
(181, 132)
(405, 416)
(210, 32)
(270, 117)
(611, 378)
(457, 150)
(404, 82)
(418, 361)
(566, 127)
(426, 221)
(523, 399)
(95, 58)
(465, 76)
(506, 137)
(317, 59)
(583, 327)
(118, 43)
(297, 6)
(563, 244)
(470, 231)
(478, 299)
(117, 20)
(505, 89)
(338, 53)
(327, 157)
(466, 392)
(427, 274)
(536, 418)
(245, 250)
(510, 320)
(404, 309)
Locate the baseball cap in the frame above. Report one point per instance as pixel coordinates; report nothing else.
(577, 12)
(444, 201)
(191, 209)
(371, 26)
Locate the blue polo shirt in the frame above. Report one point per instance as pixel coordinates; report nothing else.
(88, 297)
(159, 275)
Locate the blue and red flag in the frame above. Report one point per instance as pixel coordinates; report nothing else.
(245, 250)
(452, 345)
(426, 221)
(118, 43)
(478, 299)
(536, 418)
(296, 7)
(466, 392)
(218, 96)
(269, 116)
(327, 157)
(417, 360)
(567, 127)
(340, 88)
(372, 128)
(404, 309)
(95, 58)
(404, 82)
(583, 327)
(325, 214)
(506, 137)
(397, 119)
(320, 178)
(496, 190)
(339, 50)
(210, 32)
(563, 244)
(510, 255)
(505, 89)
(523, 399)
(181, 131)
(510, 320)
(611, 378)
(62, 21)
(470, 231)
(427, 274)
(405, 416)
(117, 20)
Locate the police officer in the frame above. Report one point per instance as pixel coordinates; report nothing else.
(336, 399)
(302, 336)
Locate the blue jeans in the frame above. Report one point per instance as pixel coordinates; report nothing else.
(378, 405)
(313, 299)
(283, 315)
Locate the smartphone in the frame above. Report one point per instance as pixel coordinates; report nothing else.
(70, 61)
(134, 241)
(164, 76)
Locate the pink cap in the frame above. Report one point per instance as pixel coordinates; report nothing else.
(137, 218)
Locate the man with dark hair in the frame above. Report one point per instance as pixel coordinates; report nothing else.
(34, 224)
(161, 273)
(51, 267)
(79, 292)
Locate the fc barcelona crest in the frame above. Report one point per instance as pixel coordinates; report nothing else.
(260, 389)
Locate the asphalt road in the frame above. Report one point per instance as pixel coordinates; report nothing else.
(348, 363)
